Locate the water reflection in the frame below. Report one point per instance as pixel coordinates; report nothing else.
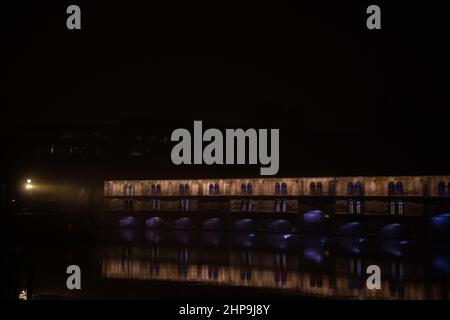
(152, 236)
(395, 247)
(214, 239)
(314, 249)
(183, 237)
(311, 266)
(126, 235)
(317, 266)
(245, 239)
(353, 245)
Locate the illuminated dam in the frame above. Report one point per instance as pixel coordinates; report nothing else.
(371, 205)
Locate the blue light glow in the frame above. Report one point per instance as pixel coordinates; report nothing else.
(441, 222)
(244, 225)
(280, 226)
(127, 222)
(183, 223)
(313, 217)
(153, 222)
(392, 230)
(212, 224)
(351, 228)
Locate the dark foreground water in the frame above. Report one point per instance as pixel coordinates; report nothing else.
(152, 264)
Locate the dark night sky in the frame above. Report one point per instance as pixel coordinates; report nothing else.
(336, 89)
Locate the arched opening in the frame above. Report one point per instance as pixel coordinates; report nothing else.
(358, 188)
(126, 191)
(350, 188)
(244, 225)
(280, 226)
(283, 188)
(243, 189)
(312, 188)
(249, 188)
(243, 205)
(399, 188)
(277, 188)
(441, 188)
(283, 206)
(155, 204)
(277, 206)
(392, 207)
(249, 206)
(212, 224)
(358, 206)
(314, 222)
(351, 229)
(319, 188)
(183, 223)
(400, 207)
(127, 221)
(185, 205)
(391, 188)
(314, 217)
(154, 223)
(246, 206)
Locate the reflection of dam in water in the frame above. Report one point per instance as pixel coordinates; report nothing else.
(312, 266)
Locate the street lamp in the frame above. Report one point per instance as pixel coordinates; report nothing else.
(28, 185)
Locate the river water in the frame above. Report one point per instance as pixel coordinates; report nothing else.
(153, 264)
